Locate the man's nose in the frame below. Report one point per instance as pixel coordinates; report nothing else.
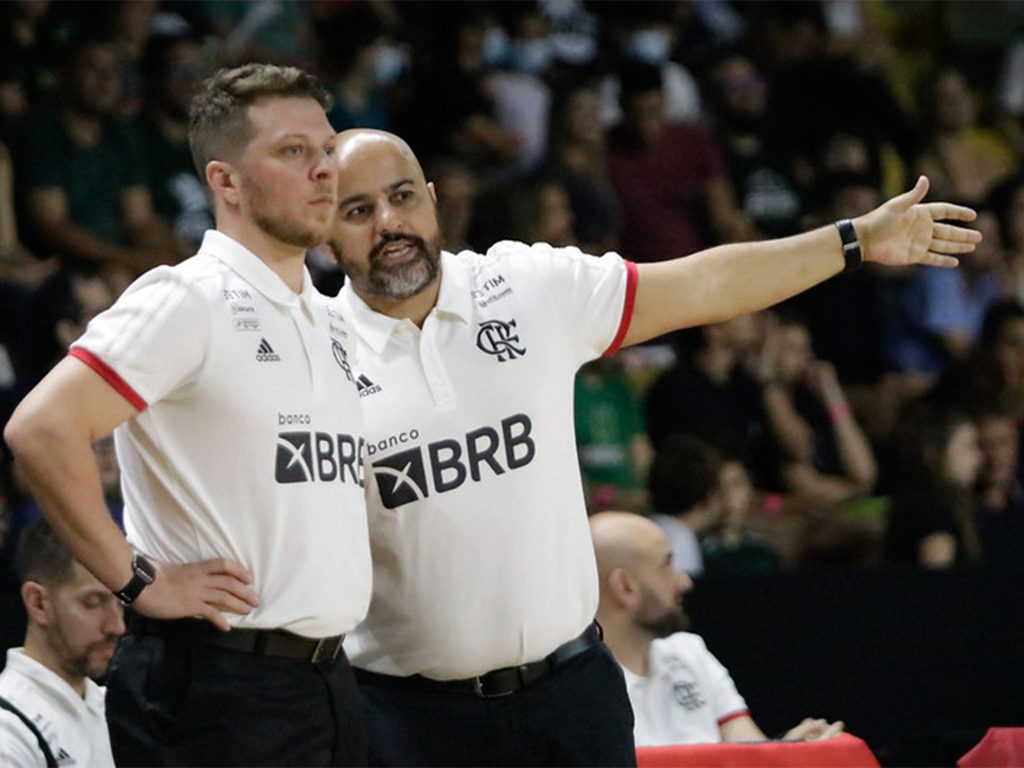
(388, 219)
(326, 169)
(114, 624)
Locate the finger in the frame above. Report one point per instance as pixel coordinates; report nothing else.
(833, 730)
(942, 211)
(235, 588)
(932, 259)
(953, 232)
(228, 567)
(950, 246)
(912, 197)
(222, 601)
(214, 617)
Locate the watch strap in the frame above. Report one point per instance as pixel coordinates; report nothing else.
(852, 256)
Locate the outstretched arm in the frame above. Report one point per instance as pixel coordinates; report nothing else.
(730, 280)
(51, 435)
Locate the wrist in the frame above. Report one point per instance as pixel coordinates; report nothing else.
(143, 574)
(851, 245)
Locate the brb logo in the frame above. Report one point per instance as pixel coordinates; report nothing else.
(444, 465)
(496, 337)
(310, 457)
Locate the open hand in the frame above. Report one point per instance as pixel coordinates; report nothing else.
(904, 231)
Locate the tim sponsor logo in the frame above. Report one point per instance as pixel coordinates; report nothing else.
(444, 465)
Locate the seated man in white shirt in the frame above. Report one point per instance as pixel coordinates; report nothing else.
(74, 623)
(680, 693)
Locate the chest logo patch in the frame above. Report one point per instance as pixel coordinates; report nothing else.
(341, 358)
(266, 354)
(498, 338)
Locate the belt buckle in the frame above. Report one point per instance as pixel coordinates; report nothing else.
(480, 692)
(326, 649)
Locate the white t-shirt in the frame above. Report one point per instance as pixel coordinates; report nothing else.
(248, 441)
(74, 728)
(686, 552)
(686, 697)
(482, 554)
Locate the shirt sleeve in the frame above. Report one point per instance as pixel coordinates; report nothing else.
(725, 701)
(18, 745)
(593, 295)
(152, 342)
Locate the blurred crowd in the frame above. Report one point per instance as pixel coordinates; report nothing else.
(876, 418)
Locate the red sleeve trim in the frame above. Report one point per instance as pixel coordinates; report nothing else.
(627, 309)
(733, 716)
(110, 376)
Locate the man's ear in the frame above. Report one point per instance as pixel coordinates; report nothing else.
(623, 587)
(36, 598)
(432, 191)
(223, 181)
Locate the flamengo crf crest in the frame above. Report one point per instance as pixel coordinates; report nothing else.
(496, 337)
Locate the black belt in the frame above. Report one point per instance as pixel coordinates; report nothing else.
(259, 642)
(497, 682)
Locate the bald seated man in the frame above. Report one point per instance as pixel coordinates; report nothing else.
(681, 694)
(479, 647)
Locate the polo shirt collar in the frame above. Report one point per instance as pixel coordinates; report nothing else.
(254, 270)
(453, 299)
(46, 678)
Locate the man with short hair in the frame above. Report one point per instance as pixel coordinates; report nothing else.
(240, 441)
(73, 626)
(484, 580)
(681, 694)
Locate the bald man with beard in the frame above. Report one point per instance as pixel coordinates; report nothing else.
(479, 647)
(680, 693)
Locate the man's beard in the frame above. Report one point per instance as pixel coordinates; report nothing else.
(279, 228)
(662, 621)
(399, 281)
(81, 664)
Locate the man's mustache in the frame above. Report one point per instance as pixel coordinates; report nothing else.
(387, 240)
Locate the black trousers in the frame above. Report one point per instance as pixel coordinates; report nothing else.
(174, 701)
(579, 715)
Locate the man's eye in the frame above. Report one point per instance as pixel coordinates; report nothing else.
(293, 151)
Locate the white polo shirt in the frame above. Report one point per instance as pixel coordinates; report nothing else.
(74, 728)
(686, 697)
(248, 440)
(482, 554)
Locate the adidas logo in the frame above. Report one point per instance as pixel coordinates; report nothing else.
(266, 354)
(366, 387)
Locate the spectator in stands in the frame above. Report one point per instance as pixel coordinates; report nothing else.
(999, 492)
(457, 188)
(732, 547)
(530, 210)
(935, 466)
(738, 97)
(352, 41)
(681, 694)
(684, 487)
(84, 178)
(938, 318)
(710, 393)
(613, 448)
(964, 159)
(74, 622)
(823, 455)
(578, 153)
(23, 73)
(1007, 201)
(174, 65)
(671, 178)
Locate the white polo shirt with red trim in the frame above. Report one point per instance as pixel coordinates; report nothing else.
(685, 698)
(478, 528)
(248, 442)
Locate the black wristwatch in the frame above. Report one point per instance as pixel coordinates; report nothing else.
(851, 245)
(143, 574)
